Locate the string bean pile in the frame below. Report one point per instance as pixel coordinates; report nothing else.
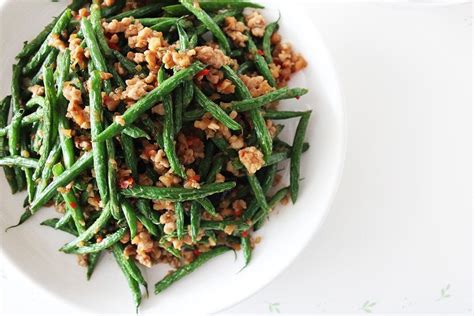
(150, 126)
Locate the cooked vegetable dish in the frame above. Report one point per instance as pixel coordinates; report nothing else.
(151, 127)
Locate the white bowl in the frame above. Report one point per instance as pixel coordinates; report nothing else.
(219, 284)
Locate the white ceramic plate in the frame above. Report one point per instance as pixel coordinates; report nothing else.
(219, 284)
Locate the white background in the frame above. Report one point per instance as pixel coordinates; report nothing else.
(400, 229)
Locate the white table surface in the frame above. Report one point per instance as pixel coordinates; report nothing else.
(399, 236)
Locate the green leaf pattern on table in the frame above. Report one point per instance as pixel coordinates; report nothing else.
(445, 292)
(274, 308)
(367, 306)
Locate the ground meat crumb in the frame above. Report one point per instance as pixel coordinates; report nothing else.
(82, 260)
(37, 90)
(55, 41)
(212, 56)
(169, 179)
(286, 63)
(256, 23)
(169, 220)
(251, 158)
(257, 85)
(235, 30)
(192, 181)
(75, 111)
(136, 89)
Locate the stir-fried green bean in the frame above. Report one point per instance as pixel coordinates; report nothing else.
(296, 151)
(209, 23)
(177, 194)
(277, 95)
(149, 100)
(178, 10)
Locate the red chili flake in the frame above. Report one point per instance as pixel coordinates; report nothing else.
(297, 98)
(73, 205)
(245, 234)
(203, 73)
(260, 52)
(99, 239)
(238, 212)
(196, 178)
(114, 46)
(126, 182)
(196, 252)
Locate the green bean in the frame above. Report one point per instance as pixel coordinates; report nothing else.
(258, 192)
(202, 16)
(179, 10)
(277, 157)
(114, 8)
(221, 225)
(260, 63)
(154, 21)
(205, 163)
(30, 184)
(208, 206)
(132, 283)
(129, 66)
(71, 202)
(185, 270)
(47, 171)
(149, 225)
(215, 169)
(64, 221)
(135, 132)
(45, 49)
(298, 142)
(27, 120)
(263, 135)
(89, 232)
(169, 131)
(18, 161)
(266, 42)
(14, 132)
(82, 164)
(179, 213)
(195, 214)
(216, 111)
(129, 154)
(269, 178)
(36, 100)
(9, 172)
(131, 267)
(113, 204)
(150, 100)
(148, 10)
(104, 244)
(130, 217)
(278, 196)
(163, 26)
(48, 61)
(98, 148)
(92, 261)
(52, 222)
(95, 18)
(94, 49)
(47, 128)
(67, 144)
(246, 249)
(179, 92)
(193, 115)
(175, 252)
(251, 209)
(117, 79)
(245, 67)
(218, 19)
(282, 115)
(259, 217)
(258, 102)
(177, 194)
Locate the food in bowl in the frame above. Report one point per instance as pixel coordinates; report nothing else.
(151, 128)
